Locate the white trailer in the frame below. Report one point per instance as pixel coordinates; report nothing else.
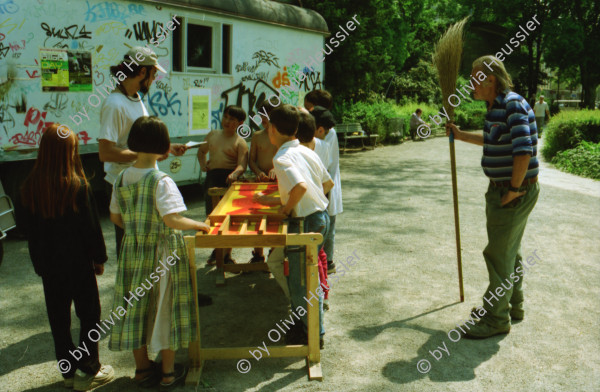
(55, 57)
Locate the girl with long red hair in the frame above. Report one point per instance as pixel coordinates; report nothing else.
(67, 249)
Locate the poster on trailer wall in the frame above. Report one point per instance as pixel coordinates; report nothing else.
(199, 110)
(66, 70)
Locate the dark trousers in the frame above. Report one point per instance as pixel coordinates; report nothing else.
(60, 289)
(216, 178)
(119, 233)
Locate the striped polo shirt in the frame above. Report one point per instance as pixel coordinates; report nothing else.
(509, 130)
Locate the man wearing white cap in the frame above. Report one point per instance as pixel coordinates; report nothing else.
(120, 110)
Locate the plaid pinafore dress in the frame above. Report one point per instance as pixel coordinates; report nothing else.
(146, 237)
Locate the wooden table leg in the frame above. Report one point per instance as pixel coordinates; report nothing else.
(195, 372)
(312, 282)
(220, 254)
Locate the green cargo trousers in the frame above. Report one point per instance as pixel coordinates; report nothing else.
(505, 227)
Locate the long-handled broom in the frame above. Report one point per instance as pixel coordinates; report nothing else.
(446, 58)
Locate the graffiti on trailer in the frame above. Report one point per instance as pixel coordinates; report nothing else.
(73, 32)
(163, 86)
(8, 7)
(163, 108)
(143, 32)
(215, 122)
(5, 25)
(263, 57)
(36, 119)
(111, 11)
(3, 50)
(56, 104)
(14, 46)
(255, 96)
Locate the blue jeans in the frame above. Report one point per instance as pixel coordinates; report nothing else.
(329, 241)
(317, 222)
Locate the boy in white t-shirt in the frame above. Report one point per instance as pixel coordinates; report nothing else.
(325, 122)
(303, 181)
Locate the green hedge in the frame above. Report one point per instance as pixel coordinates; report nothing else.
(374, 117)
(569, 128)
(583, 160)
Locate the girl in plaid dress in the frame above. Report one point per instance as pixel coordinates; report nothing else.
(153, 291)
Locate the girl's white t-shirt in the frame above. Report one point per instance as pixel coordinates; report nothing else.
(168, 197)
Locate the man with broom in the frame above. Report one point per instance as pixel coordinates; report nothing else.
(509, 143)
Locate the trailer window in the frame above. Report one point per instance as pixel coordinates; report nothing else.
(202, 46)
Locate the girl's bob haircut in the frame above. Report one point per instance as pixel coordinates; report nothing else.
(149, 135)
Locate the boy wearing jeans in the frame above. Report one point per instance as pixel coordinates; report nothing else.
(303, 181)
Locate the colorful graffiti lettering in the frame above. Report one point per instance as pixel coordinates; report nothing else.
(8, 7)
(215, 122)
(281, 79)
(111, 11)
(83, 136)
(32, 137)
(163, 109)
(4, 25)
(111, 28)
(15, 46)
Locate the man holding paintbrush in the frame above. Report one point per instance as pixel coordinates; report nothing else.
(509, 143)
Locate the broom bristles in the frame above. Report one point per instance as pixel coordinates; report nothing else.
(446, 58)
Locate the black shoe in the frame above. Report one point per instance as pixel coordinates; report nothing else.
(330, 267)
(257, 258)
(151, 376)
(212, 259)
(178, 375)
(204, 300)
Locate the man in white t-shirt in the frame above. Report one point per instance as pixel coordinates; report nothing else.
(120, 110)
(540, 109)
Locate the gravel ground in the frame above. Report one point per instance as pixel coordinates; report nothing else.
(390, 310)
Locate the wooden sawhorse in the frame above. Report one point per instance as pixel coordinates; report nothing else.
(248, 231)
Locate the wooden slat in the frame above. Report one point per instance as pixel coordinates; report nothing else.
(312, 281)
(243, 241)
(284, 228)
(244, 352)
(263, 225)
(244, 227)
(225, 225)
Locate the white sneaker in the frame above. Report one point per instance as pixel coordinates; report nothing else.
(86, 382)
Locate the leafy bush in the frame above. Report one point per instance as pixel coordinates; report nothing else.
(568, 128)
(375, 114)
(373, 117)
(583, 160)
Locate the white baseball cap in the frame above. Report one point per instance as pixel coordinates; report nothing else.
(150, 58)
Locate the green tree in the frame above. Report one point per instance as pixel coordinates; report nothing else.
(368, 59)
(574, 41)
